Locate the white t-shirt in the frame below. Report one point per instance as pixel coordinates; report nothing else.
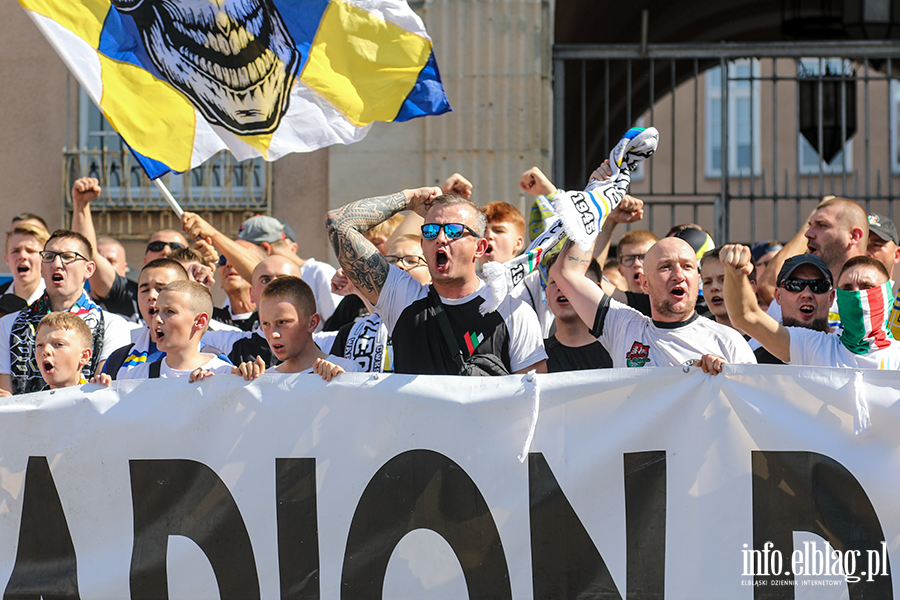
(819, 349)
(142, 371)
(347, 365)
(318, 275)
(634, 340)
(531, 292)
(117, 333)
(418, 343)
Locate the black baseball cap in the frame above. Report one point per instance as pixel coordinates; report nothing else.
(791, 264)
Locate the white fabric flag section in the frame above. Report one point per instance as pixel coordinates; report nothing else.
(653, 483)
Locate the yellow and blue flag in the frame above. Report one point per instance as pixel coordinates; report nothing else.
(183, 79)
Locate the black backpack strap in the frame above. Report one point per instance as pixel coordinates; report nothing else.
(155, 366)
(116, 360)
(446, 331)
(552, 343)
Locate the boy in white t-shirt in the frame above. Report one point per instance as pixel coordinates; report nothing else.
(288, 318)
(182, 314)
(63, 344)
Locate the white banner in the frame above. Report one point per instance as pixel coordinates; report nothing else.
(765, 482)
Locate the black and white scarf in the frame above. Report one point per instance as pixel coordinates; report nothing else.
(25, 374)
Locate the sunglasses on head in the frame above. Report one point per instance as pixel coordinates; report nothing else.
(158, 246)
(816, 286)
(453, 231)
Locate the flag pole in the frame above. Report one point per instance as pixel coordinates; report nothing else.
(170, 199)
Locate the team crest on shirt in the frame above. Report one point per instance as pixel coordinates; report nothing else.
(638, 356)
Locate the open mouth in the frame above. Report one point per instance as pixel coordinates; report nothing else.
(807, 309)
(716, 300)
(490, 249)
(56, 278)
(441, 259)
(679, 293)
(562, 300)
(160, 334)
(47, 367)
(23, 268)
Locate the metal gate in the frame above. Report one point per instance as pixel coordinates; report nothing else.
(752, 136)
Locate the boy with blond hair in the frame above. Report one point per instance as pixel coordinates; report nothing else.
(182, 314)
(62, 347)
(288, 318)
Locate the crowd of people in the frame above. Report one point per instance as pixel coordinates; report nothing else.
(410, 295)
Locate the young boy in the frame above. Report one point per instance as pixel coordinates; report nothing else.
(288, 318)
(182, 314)
(62, 347)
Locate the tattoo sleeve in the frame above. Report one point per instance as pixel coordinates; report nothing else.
(362, 262)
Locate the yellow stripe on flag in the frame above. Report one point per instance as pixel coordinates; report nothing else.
(363, 65)
(131, 102)
(83, 18)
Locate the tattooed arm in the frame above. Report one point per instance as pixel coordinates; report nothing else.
(569, 274)
(361, 261)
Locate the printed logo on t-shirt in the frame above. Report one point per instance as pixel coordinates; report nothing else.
(638, 356)
(473, 340)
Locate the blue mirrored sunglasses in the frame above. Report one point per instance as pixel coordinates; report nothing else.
(453, 231)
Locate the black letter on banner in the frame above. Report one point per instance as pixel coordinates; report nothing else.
(807, 491)
(422, 489)
(564, 560)
(185, 497)
(45, 559)
(298, 534)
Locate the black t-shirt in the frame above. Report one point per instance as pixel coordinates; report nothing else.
(639, 302)
(566, 358)
(764, 357)
(349, 310)
(122, 298)
(248, 348)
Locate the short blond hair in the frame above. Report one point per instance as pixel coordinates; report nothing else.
(199, 298)
(69, 322)
(23, 228)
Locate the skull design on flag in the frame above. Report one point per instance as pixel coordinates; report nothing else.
(234, 59)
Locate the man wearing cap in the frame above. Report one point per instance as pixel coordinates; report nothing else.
(802, 305)
(863, 298)
(884, 246)
(277, 238)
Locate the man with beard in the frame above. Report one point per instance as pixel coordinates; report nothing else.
(837, 230)
(674, 334)
(802, 305)
(863, 298)
(453, 241)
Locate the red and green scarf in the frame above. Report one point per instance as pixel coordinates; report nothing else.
(864, 316)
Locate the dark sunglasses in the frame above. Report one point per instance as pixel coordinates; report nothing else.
(816, 286)
(453, 231)
(222, 260)
(158, 246)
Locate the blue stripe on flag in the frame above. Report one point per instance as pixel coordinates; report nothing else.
(302, 21)
(153, 168)
(427, 96)
(120, 40)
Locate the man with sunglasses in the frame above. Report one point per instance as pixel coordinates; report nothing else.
(65, 266)
(452, 242)
(115, 292)
(863, 298)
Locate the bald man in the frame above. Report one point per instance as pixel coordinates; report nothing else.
(244, 346)
(674, 335)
